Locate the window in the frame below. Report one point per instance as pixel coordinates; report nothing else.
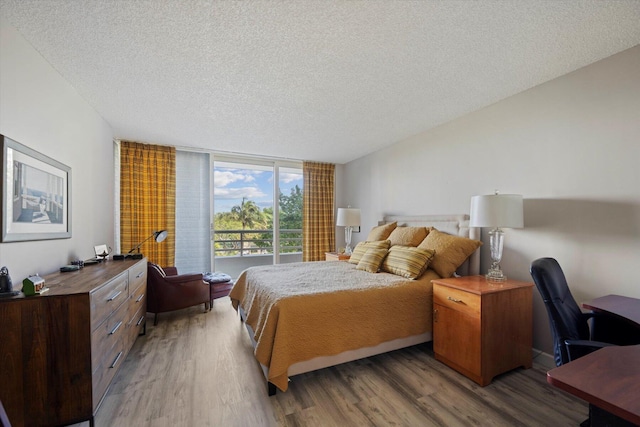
(249, 228)
(243, 209)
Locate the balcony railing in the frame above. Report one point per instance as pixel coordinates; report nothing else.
(230, 243)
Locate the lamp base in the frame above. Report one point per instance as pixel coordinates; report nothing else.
(135, 256)
(347, 239)
(495, 275)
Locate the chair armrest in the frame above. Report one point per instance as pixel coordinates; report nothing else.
(183, 278)
(579, 348)
(170, 271)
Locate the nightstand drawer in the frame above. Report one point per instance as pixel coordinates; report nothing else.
(334, 256)
(482, 329)
(456, 299)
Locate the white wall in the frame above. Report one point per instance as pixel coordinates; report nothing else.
(39, 109)
(571, 147)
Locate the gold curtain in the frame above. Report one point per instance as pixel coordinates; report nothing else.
(318, 230)
(148, 199)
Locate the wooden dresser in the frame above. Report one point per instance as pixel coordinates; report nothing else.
(482, 329)
(60, 350)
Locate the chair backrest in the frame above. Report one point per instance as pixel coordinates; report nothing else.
(565, 317)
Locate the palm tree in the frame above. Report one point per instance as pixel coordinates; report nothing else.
(248, 213)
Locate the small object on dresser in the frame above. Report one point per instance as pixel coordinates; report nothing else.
(102, 252)
(67, 268)
(78, 262)
(34, 285)
(6, 286)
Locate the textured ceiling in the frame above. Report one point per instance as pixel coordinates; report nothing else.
(313, 80)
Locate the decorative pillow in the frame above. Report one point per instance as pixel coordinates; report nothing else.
(372, 260)
(406, 261)
(408, 236)
(381, 232)
(158, 269)
(362, 247)
(451, 251)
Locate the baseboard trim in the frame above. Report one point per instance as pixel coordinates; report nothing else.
(543, 359)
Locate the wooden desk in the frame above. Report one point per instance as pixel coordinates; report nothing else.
(623, 307)
(622, 319)
(608, 379)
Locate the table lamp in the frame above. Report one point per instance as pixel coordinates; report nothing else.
(496, 211)
(158, 236)
(348, 218)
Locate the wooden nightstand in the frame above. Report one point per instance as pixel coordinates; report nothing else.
(334, 256)
(482, 329)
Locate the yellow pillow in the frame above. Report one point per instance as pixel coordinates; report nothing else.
(451, 251)
(408, 236)
(362, 247)
(381, 232)
(371, 260)
(406, 261)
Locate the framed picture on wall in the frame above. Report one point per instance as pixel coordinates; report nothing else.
(36, 191)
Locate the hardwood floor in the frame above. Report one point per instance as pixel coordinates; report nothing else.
(197, 369)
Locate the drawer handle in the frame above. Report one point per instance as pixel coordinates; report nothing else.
(113, 331)
(435, 315)
(114, 296)
(140, 275)
(115, 362)
(140, 320)
(455, 300)
(140, 298)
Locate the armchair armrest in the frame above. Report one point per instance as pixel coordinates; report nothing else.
(579, 348)
(170, 271)
(183, 278)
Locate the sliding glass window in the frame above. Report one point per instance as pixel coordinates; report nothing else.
(257, 213)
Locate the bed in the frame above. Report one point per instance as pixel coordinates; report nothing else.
(307, 316)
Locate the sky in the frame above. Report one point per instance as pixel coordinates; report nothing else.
(232, 182)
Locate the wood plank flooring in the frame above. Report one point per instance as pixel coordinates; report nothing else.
(196, 368)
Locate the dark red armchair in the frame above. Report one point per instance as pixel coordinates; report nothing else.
(168, 291)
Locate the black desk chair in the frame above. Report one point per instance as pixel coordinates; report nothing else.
(4, 419)
(572, 337)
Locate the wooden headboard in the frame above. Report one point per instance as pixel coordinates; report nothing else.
(458, 225)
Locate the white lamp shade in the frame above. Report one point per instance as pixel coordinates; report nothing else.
(348, 217)
(497, 210)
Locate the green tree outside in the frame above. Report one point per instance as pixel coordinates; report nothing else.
(248, 215)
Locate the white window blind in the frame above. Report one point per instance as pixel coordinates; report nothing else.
(193, 217)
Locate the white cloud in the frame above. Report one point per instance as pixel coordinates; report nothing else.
(224, 178)
(290, 177)
(238, 193)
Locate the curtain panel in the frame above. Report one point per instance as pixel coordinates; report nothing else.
(147, 199)
(318, 230)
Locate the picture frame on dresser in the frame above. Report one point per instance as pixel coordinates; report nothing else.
(36, 194)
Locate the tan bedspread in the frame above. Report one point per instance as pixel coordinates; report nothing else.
(303, 310)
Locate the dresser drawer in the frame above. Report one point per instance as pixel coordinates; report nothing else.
(108, 365)
(108, 298)
(136, 325)
(138, 299)
(456, 299)
(137, 276)
(108, 334)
